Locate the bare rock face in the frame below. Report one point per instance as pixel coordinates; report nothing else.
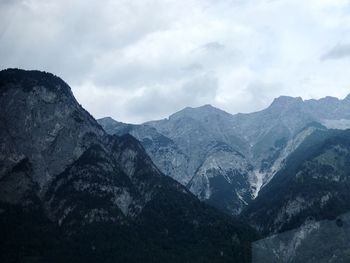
(165, 153)
(43, 123)
(69, 192)
(223, 179)
(202, 157)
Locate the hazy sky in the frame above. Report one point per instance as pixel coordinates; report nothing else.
(138, 60)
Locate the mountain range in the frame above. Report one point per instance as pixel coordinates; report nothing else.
(227, 159)
(200, 186)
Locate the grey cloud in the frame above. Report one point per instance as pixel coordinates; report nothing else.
(133, 75)
(202, 86)
(161, 102)
(338, 52)
(193, 67)
(145, 59)
(67, 37)
(10, 2)
(213, 46)
(261, 94)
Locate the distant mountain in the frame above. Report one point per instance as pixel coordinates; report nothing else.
(69, 192)
(227, 159)
(197, 154)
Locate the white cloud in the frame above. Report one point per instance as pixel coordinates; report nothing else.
(139, 60)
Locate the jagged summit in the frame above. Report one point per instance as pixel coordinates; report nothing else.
(206, 106)
(330, 98)
(206, 110)
(285, 101)
(108, 119)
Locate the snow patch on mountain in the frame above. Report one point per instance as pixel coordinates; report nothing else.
(262, 178)
(257, 182)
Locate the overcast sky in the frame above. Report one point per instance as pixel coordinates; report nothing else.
(138, 60)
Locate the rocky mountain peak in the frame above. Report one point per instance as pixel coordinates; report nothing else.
(284, 102)
(329, 101)
(44, 122)
(28, 80)
(199, 113)
(330, 98)
(109, 121)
